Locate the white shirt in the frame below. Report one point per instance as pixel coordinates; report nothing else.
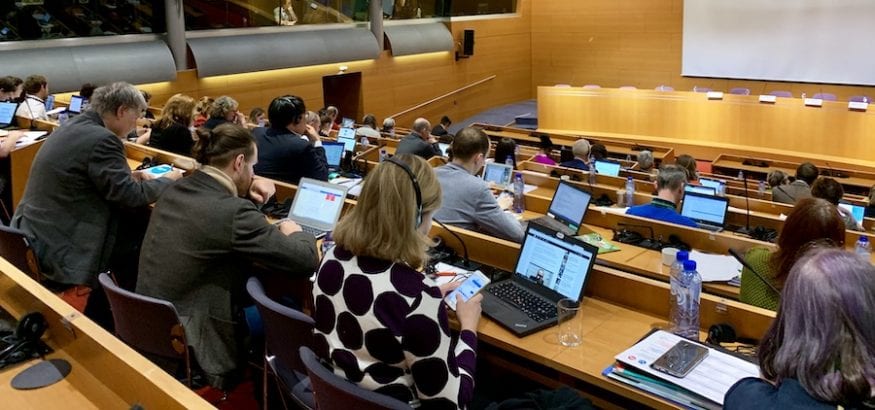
(32, 107)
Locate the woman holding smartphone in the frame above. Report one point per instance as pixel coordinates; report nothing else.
(379, 320)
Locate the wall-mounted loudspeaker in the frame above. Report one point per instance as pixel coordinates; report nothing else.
(468, 43)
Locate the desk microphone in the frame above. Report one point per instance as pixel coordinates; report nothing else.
(738, 257)
(746, 230)
(466, 263)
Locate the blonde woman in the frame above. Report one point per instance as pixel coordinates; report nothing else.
(379, 321)
(285, 14)
(172, 130)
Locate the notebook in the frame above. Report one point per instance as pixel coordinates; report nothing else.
(317, 206)
(347, 137)
(607, 168)
(333, 154)
(708, 211)
(551, 266)
(700, 189)
(76, 103)
(497, 173)
(7, 113)
(567, 209)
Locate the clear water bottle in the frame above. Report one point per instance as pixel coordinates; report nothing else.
(519, 198)
(761, 189)
(383, 154)
(509, 161)
(686, 319)
(592, 176)
(364, 141)
(741, 175)
(674, 280)
(863, 247)
(630, 191)
(628, 157)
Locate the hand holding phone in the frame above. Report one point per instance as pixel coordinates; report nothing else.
(468, 288)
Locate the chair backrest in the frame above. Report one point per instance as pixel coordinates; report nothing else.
(628, 87)
(285, 329)
(860, 98)
(15, 248)
(562, 85)
(591, 86)
(697, 89)
(825, 96)
(781, 93)
(740, 91)
(147, 324)
(334, 393)
(664, 88)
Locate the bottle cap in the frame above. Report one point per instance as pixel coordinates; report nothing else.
(682, 256)
(864, 238)
(689, 265)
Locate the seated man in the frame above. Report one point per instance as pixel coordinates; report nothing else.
(580, 149)
(36, 90)
(806, 173)
(201, 244)
(290, 148)
(442, 130)
(832, 191)
(419, 141)
(669, 190)
(467, 200)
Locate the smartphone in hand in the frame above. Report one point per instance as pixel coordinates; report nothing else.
(468, 288)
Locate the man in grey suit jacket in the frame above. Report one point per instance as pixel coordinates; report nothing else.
(806, 174)
(79, 182)
(419, 141)
(467, 199)
(203, 239)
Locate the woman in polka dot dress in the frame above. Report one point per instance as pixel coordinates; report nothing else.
(381, 323)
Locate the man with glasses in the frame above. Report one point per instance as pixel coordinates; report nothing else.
(79, 187)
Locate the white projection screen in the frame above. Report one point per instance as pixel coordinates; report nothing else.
(819, 41)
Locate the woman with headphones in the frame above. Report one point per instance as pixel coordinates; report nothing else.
(379, 320)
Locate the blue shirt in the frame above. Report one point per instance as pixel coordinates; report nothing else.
(575, 163)
(661, 210)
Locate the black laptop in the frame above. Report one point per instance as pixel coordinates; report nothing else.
(708, 211)
(333, 154)
(551, 266)
(567, 209)
(7, 114)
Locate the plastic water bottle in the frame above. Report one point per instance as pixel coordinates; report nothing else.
(509, 161)
(741, 175)
(630, 191)
(686, 319)
(628, 157)
(519, 198)
(592, 176)
(383, 154)
(761, 189)
(674, 280)
(863, 248)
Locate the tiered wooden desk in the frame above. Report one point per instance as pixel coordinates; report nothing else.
(853, 181)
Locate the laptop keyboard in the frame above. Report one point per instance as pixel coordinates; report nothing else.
(535, 307)
(312, 231)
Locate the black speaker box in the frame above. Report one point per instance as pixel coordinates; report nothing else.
(468, 43)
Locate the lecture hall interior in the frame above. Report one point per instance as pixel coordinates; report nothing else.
(743, 99)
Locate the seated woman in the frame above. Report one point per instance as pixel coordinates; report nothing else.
(777, 178)
(505, 149)
(812, 219)
(817, 354)
(381, 323)
(224, 110)
(172, 131)
(688, 163)
(545, 147)
(202, 111)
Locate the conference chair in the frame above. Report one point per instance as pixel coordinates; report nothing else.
(781, 93)
(285, 330)
(628, 87)
(591, 86)
(335, 393)
(15, 248)
(664, 88)
(825, 96)
(697, 89)
(563, 85)
(147, 324)
(860, 98)
(740, 91)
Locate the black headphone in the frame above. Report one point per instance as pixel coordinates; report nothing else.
(413, 179)
(23, 343)
(725, 333)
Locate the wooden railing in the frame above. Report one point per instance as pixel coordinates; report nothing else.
(441, 97)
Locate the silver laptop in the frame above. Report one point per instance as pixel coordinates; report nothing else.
(317, 206)
(498, 174)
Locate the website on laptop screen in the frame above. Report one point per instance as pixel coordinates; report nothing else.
(347, 137)
(497, 173)
(75, 104)
(858, 211)
(317, 203)
(711, 210)
(554, 263)
(607, 168)
(7, 112)
(333, 153)
(569, 204)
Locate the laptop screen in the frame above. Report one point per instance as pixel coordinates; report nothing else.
(76, 104)
(333, 153)
(347, 122)
(569, 204)
(705, 208)
(444, 147)
(347, 137)
(50, 102)
(499, 174)
(712, 183)
(320, 202)
(704, 190)
(607, 168)
(7, 112)
(858, 211)
(561, 265)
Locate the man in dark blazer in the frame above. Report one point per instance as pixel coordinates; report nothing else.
(79, 184)
(290, 148)
(806, 174)
(442, 130)
(580, 149)
(419, 141)
(204, 238)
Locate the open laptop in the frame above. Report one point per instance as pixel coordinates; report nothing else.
(607, 168)
(498, 174)
(333, 154)
(76, 103)
(444, 147)
(347, 137)
(7, 114)
(713, 183)
(317, 206)
(700, 189)
(567, 208)
(551, 266)
(858, 211)
(347, 122)
(708, 211)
